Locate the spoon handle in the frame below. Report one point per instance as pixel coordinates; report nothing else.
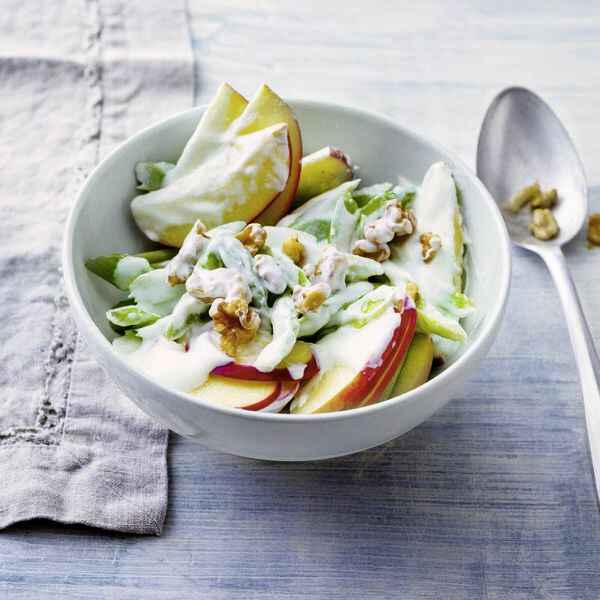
(585, 354)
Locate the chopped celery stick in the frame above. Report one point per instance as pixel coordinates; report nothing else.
(157, 256)
(235, 256)
(118, 269)
(154, 294)
(362, 268)
(294, 275)
(104, 266)
(130, 316)
(314, 216)
(187, 312)
(434, 322)
(319, 228)
(212, 261)
(365, 195)
(311, 322)
(151, 174)
(343, 222)
(365, 309)
(121, 269)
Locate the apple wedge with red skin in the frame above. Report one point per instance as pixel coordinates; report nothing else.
(245, 394)
(395, 363)
(286, 393)
(251, 373)
(341, 388)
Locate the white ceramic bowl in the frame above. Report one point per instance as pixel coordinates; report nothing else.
(100, 223)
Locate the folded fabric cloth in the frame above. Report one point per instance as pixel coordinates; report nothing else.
(79, 77)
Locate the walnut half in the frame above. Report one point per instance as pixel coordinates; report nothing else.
(544, 226)
(309, 298)
(372, 250)
(253, 236)
(593, 234)
(294, 249)
(235, 321)
(524, 196)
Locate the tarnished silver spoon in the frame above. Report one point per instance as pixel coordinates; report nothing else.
(522, 140)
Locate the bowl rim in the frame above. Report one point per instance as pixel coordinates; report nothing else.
(494, 315)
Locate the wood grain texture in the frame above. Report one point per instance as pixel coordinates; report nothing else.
(491, 498)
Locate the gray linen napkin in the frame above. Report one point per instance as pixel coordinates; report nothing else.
(77, 78)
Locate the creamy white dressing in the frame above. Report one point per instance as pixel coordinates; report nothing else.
(128, 268)
(296, 370)
(223, 282)
(357, 347)
(271, 274)
(168, 362)
(150, 332)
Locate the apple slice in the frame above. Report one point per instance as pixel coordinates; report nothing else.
(382, 389)
(225, 108)
(267, 103)
(343, 385)
(287, 392)
(251, 373)
(238, 393)
(242, 159)
(301, 354)
(417, 365)
(322, 171)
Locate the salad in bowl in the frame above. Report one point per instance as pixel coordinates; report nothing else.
(277, 282)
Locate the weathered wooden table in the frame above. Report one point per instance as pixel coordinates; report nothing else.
(493, 496)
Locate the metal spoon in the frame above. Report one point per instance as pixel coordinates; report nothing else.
(522, 140)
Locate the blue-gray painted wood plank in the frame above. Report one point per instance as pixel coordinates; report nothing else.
(491, 498)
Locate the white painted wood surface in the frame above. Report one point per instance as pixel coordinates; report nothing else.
(492, 497)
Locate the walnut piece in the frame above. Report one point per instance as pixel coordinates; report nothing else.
(332, 268)
(523, 197)
(396, 223)
(430, 245)
(402, 220)
(180, 267)
(294, 249)
(544, 226)
(546, 199)
(253, 236)
(309, 298)
(367, 249)
(593, 234)
(235, 321)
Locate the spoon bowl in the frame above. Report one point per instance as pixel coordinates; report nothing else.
(522, 140)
